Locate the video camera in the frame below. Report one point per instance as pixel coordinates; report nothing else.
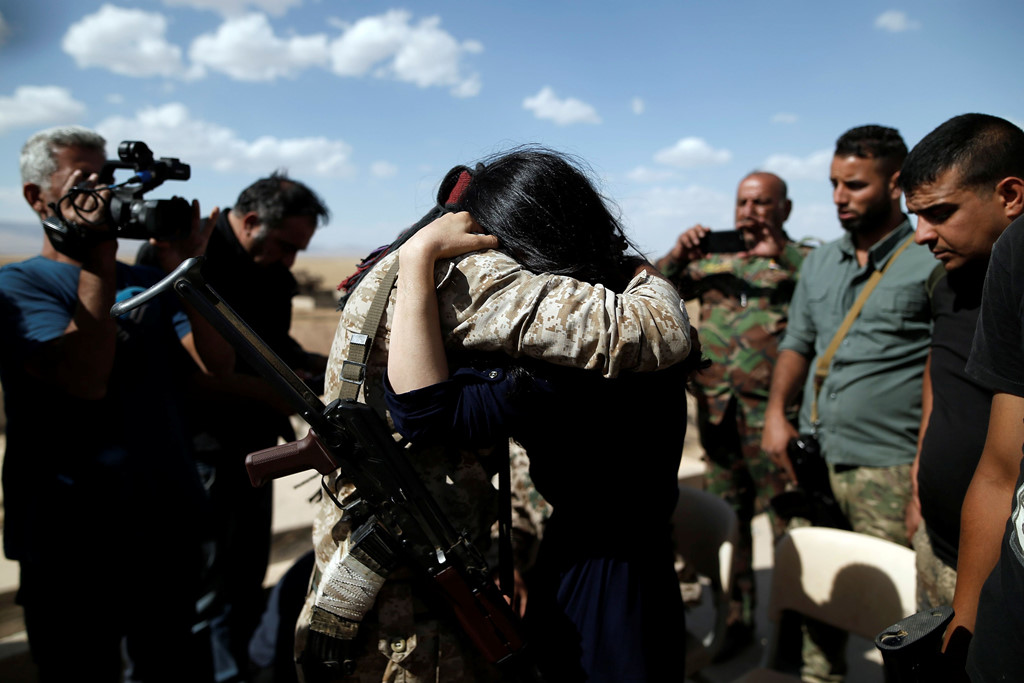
(131, 216)
(137, 218)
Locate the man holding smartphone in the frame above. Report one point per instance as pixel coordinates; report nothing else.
(744, 280)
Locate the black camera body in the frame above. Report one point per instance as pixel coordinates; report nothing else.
(912, 648)
(812, 499)
(137, 218)
(131, 216)
(723, 242)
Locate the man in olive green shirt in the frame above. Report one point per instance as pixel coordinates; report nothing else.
(869, 407)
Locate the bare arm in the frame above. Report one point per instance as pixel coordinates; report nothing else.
(208, 349)
(490, 303)
(417, 357)
(788, 377)
(80, 361)
(987, 506)
(913, 513)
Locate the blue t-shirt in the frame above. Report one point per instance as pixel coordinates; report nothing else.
(102, 463)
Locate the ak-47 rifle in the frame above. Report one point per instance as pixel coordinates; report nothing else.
(401, 520)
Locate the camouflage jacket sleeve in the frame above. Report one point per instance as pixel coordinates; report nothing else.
(559, 319)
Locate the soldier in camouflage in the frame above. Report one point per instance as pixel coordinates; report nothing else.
(487, 303)
(744, 298)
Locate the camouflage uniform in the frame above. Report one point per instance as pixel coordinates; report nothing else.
(487, 303)
(743, 312)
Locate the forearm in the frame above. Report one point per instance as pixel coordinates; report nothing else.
(987, 505)
(214, 355)
(562, 320)
(926, 413)
(981, 531)
(788, 378)
(80, 362)
(416, 358)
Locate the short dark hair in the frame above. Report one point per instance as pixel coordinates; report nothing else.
(983, 148)
(873, 142)
(278, 197)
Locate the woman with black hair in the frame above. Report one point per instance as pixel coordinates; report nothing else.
(604, 601)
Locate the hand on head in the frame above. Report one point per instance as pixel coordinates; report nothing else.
(449, 235)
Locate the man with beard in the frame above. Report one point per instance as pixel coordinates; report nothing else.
(744, 297)
(868, 407)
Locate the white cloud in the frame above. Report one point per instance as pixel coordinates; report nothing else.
(38, 106)
(546, 105)
(245, 48)
(170, 130)
(129, 42)
(237, 7)
(784, 117)
(390, 46)
(643, 174)
(812, 167)
(896, 21)
(656, 216)
(691, 152)
(638, 105)
(383, 169)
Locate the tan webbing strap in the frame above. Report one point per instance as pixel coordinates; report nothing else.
(824, 361)
(353, 368)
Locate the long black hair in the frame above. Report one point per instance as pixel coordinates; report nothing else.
(543, 208)
(547, 214)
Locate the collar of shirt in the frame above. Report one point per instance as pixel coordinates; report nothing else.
(880, 251)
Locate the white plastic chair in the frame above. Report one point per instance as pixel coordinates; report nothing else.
(706, 531)
(856, 582)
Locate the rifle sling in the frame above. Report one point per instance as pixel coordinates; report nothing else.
(353, 373)
(353, 368)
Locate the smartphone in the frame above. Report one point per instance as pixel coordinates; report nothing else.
(723, 242)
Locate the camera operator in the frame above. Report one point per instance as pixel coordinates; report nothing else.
(103, 505)
(744, 297)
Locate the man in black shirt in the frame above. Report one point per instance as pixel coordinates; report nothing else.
(964, 182)
(248, 262)
(990, 585)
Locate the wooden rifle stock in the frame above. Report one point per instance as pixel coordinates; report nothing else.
(308, 453)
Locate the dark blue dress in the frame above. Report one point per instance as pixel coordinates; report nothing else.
(604, 603)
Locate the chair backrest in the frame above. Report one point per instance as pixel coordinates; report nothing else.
(856, 582)
(706, 530)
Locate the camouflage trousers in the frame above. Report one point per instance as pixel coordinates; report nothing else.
(742, 474)
(874, 500)
(936, 580)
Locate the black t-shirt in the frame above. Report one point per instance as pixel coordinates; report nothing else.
(262, 297)
(997, 360)
(960, 407)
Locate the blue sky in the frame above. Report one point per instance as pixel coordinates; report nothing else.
(670, 103)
